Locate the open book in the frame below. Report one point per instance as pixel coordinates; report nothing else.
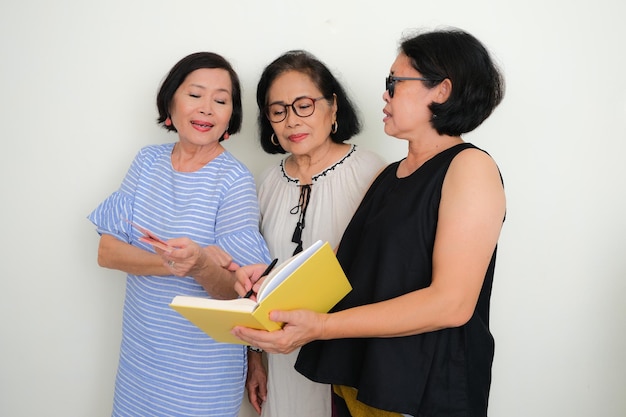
(312, 279)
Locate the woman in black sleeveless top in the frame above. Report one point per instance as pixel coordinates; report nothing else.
(412, 338)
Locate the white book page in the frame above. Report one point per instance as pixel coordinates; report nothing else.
(238, 304)
(285, 269)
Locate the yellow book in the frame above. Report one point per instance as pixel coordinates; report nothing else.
(312, 280)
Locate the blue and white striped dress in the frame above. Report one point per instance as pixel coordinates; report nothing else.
(168, 367)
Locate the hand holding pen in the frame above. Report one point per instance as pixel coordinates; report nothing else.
(244, 270)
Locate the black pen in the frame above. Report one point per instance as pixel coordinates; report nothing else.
(266, 272)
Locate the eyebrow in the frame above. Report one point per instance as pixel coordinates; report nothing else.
(226, 90)
(283, 102)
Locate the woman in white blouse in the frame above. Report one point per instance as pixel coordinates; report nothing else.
(311, 194)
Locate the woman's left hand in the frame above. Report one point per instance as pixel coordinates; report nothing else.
(301, 327)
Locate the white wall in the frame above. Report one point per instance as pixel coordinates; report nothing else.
(77, 87)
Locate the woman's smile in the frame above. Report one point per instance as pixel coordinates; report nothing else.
(201, 126)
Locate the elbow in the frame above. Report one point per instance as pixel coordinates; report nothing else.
(103, 256)
(460, 320)
(102, 260)
(458, 317)
(454, 308)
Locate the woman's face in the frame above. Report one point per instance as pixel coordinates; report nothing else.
(407, 113)
(202, 106)
(301, 135)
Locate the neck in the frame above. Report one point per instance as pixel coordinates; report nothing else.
(422, 151)
(305, 166)
(190, 158)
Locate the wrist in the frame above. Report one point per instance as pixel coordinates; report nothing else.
(254, 349)
(324, 327)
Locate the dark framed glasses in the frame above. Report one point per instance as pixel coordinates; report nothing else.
(302, 107)
(390, 82)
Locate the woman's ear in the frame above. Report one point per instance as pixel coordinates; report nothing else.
(444, 89)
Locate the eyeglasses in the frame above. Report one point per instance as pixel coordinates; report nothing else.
(390, 82)
(302, 107)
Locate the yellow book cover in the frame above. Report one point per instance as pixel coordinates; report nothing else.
(312, 280)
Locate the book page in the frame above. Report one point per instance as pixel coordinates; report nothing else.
(237, 304)
(278, 275)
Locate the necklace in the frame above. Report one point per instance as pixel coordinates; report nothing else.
(300, 208)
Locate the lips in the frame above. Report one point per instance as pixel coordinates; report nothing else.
(298, 137)
(202, 126)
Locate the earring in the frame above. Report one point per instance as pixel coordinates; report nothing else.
(168, 122)
(334, 127)
(226, 135)
(272, 139)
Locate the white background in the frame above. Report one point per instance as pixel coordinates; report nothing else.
(77, 90)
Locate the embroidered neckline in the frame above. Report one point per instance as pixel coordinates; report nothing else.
(321, 174)
(305, 196)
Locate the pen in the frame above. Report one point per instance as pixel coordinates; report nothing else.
(267, 271)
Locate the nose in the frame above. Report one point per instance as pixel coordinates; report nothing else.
(386, 96)
(292, 118)
(206, 107)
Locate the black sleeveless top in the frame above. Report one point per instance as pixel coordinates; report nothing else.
(386, 251)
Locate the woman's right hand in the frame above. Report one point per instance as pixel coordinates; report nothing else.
(256, 382)
(249, 278)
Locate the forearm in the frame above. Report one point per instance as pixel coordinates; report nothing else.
(414, 313)
(115, 254)
(217, 281)
(409, 314)
(210, 266)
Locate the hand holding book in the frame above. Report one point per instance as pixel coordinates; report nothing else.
(312, 280)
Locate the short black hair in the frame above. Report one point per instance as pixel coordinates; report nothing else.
(477, 84)
(348, 123)
(177, 76)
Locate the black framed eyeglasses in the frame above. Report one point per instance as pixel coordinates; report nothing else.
(302, 107)
(390, 82)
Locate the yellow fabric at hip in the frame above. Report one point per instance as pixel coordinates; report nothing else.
(356, 407)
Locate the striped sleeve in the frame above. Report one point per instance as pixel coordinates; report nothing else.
(237, 222)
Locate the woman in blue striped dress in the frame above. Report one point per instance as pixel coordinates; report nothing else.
(193, 194)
